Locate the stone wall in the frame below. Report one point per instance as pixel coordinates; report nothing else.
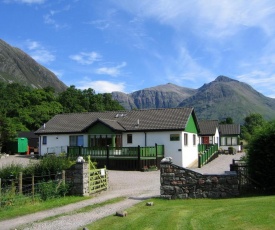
(182, 183)
(78, 177)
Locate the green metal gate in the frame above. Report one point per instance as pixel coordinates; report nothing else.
(98, 178)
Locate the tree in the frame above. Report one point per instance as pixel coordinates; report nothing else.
(72, 100)
(228, 120)
(261, 156)
(251, 124)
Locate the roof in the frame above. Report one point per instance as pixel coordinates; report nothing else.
(27, 134)
(134, 120)
(229, 129)
(208, 127)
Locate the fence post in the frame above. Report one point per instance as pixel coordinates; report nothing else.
(139, 158)
(20, 182)
(0, 192)
(63, 177)
(32, 186)
(156, 146)
(108, 156)
(199, 161)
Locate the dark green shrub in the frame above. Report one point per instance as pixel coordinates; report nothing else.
(52, 189)
(261, 156)
(51, 164)
(231, 150)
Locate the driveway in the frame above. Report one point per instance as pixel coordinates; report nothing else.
(135, 186)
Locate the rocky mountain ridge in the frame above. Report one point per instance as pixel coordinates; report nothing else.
(224, 97)
(18, 67)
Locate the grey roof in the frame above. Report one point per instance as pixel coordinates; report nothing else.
(208, 127)
(134, 120)
(229, 129)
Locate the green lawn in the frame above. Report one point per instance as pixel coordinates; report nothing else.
(241, 213)
(32, 207)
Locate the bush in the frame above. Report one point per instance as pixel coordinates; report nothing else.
(261, 156)
(52, 189)
(50, 164)
(231, 150)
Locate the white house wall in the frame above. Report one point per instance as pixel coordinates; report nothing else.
(57, 143)
(182, 155)
(189, 152)
(217, 137)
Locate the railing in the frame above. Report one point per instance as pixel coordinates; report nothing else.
(207, 154)
(56, 150)
(119, 152)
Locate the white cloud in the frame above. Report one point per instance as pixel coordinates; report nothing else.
(102, 86)
(86, 58)
(49, 18)
(261, 81)
(112, 71)
(184, 69)
(213, 18)
(39, 52)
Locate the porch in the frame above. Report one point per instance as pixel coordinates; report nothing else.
(121, 158)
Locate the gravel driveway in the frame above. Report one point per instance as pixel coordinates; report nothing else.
(136, 186)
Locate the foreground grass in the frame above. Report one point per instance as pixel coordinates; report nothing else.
(241, 213)
(36, 206)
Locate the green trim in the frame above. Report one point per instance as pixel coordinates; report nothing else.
(191, 126)
(100, 128)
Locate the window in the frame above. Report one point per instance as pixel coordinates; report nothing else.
(223, 141)
(194, 139)
(185, 139)
(76, 140)
(129, 138)
(229, 141)
(105, 140)
(174, 137)
(234, 141)
(44, 140)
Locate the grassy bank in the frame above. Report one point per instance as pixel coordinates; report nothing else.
(36, 206)
(240, 213)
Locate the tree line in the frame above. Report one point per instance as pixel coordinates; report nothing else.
(23, 108)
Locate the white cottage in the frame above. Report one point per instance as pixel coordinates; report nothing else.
(176, 129)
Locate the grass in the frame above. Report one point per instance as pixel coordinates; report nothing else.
(36, 206)
(249, 213)
(85, 209)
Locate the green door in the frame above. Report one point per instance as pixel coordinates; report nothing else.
(22, 144)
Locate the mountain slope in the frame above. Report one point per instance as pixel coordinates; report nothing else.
(219, 99)
(162, 96)
(225, 97)
(16, 66)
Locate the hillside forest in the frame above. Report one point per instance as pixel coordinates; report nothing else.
(23, 108)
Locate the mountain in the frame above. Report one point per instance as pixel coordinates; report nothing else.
(18, 67)
(219, 99)
(225, 97)
(162, 96)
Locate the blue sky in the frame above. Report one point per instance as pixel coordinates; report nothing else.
(127, 45)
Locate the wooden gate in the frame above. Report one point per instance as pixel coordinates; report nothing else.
(98, 178)
(246, 184)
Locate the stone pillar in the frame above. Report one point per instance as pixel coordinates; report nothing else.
(78, 177)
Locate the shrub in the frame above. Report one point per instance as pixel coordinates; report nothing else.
(51, 164)
(52, 189)
(261, 156)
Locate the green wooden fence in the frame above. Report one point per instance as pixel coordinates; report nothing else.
(134, 152)
(206, 153)
(98, 178)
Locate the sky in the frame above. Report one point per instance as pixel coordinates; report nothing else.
(129, 45)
